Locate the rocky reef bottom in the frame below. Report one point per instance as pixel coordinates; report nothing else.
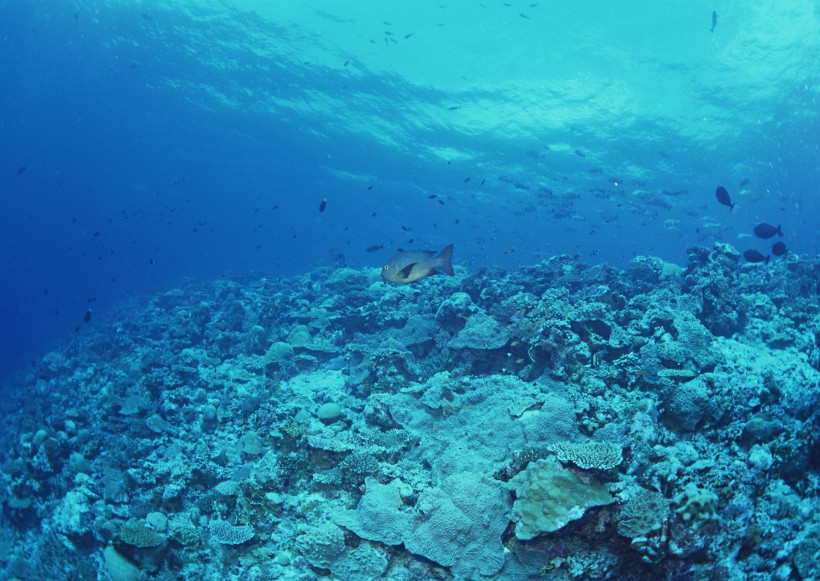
(562, 420)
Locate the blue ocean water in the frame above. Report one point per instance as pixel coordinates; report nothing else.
(205, 375)
(147, 142)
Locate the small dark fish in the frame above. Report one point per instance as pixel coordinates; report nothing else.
(580, 153)
(714, 20)
(522, 15)
(755, 257)
(87, 316)
(406, 36)
(374, 248)
(467, 179)
(454, 108)
(322, 205)
(369, 187)
(767, 230)
(723, 197)
(745, 182)
(406, 229)
(432, 197)
(21, 169)
(779, 249)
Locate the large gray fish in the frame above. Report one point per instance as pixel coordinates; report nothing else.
(406, 267)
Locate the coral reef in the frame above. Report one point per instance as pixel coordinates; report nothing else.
(562, 419)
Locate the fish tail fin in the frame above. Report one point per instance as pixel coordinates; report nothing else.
(779, 231)
(444, 261)
(732, 209)
(767, 259)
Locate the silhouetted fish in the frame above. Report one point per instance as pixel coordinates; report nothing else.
(755, 256)
(745, 182)
(374, 248)
(779, 249)
(764, 230)
(87, 316)
(714, 20)
(723, 197)
(322, 206)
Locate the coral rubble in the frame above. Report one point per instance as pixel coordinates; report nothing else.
(563, 419)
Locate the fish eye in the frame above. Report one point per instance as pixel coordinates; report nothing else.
(387, 267)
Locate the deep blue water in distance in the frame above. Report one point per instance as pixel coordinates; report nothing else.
(146, 143)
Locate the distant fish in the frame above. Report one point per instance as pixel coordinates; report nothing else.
(764, 230)
(21, 169)
(723, 197)
(714, 20)
(322, 205)
(580, 153)
(779, 249)
(407, 267)
(406, 36)
(454, 108)
(745, 182)
(374, 248)
(755, 256)
(87, 316)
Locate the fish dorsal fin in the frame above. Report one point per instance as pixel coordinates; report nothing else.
(405, 272)
(428, 252)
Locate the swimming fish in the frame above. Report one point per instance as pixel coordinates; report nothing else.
(723, 197)
(767, 230)
(755, 256)
(87, 316)
(374, 248)
(779, 249)
(714, 20)
(322, 205)
(406, 267)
